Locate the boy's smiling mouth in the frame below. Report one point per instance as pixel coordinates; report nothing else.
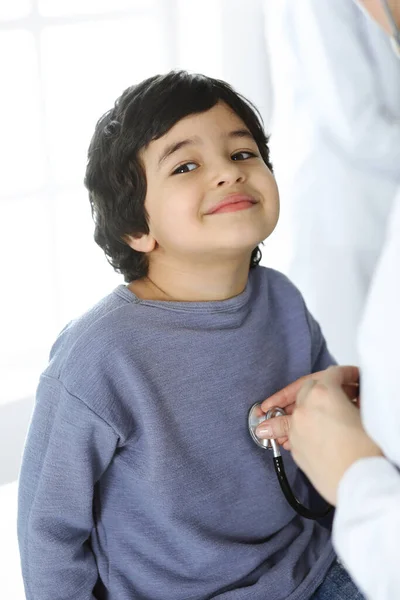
(232, 203)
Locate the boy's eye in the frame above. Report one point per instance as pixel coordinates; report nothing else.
(185, 168)
(243, 155)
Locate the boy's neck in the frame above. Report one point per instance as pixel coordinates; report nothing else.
(188, 283)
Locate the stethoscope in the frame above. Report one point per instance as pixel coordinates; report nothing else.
(257, 416)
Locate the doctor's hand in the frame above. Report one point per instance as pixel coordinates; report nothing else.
(278, 427)
(326, 434)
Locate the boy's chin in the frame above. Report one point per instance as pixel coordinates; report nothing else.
(243, 243)
(236, 253)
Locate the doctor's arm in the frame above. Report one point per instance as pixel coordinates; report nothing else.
(67, 450)
(342, 81)
(367, 524)
(331, 446)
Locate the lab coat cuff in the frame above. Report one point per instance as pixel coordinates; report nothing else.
(360, 493)
(367, 505)
(359, 479)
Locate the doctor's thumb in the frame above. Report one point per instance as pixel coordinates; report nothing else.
(277, 427)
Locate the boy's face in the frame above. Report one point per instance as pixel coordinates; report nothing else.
(204, 160)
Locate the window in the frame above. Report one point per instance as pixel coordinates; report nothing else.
(67, 61)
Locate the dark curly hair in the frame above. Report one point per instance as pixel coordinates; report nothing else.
(115, 176)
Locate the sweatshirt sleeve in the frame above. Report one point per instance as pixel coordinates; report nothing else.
(67, 450)
(367, 525)
(321, 358)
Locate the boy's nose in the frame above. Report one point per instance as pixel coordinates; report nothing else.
(229, 175)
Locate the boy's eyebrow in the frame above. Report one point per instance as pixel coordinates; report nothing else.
(175, 146)
(241, 133)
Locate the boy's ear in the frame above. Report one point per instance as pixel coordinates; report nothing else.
(142, 242)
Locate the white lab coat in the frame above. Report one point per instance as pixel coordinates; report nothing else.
(366, 529)
(336, 149)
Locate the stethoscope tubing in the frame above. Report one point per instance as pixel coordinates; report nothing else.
(253, 420)
(302, 510)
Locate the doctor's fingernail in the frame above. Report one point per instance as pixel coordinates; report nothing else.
(264, 431)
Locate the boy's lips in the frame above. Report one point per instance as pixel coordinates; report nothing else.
(242, 201)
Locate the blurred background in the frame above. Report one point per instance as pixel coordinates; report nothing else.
(62, 65)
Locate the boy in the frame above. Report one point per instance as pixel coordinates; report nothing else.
(139, 478)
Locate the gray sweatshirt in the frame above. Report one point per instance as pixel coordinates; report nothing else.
(139, 478)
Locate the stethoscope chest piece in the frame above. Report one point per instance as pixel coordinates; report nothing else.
(257, 416)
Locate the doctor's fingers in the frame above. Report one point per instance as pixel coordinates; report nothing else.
(346, 376)
(276, 428)
(286, 398)
(314, 394)
(305, 394)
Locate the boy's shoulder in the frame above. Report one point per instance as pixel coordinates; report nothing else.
(88, 334)
(273, 275)
(277, 284)
(282, 299)
(287, 307)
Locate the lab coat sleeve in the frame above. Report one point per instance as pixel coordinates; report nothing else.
(367, 524)
(378, 343)
(67, 449)
(341, 83)
(366, 527)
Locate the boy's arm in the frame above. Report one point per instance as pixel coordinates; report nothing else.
(321, 358)
(67, 450)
